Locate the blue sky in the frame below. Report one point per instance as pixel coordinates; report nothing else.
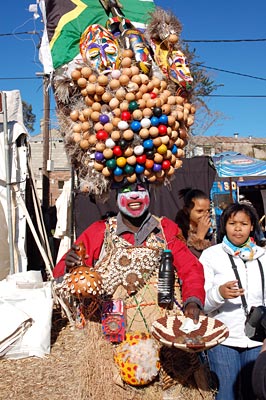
(244, 104)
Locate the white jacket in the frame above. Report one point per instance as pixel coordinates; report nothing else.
(218, 270)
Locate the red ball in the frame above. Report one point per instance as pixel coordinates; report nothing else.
(141, 159)
(166, 164)
(153, 95)
(125, 115)
(162, 129)
(117, 151)
(102, 135)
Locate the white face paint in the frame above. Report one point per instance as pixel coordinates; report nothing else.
(133, 203)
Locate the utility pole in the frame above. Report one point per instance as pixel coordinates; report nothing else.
(4, 119)
(46, 141)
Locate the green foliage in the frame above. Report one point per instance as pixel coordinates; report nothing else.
(28, 117)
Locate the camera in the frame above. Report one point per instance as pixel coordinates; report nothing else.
(255, 326)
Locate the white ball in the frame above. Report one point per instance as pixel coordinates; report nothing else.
(145, 123)
(115, 73)
(123, 125)
(138, 150)
(109, 143)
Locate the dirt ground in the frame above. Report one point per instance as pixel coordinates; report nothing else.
(54, 377)
(72, 371)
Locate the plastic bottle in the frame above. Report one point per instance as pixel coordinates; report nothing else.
(166, 280)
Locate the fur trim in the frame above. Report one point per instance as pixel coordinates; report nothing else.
(197, 243)
(162, 24)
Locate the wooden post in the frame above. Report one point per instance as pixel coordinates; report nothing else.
(46, 144)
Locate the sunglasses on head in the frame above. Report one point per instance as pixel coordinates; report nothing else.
(136, 187)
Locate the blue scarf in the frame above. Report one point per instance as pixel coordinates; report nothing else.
(246, 251)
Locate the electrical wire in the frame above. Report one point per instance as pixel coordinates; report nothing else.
(21, 78)
(236, 95)
(223, 40)
(184, 40)
(228, 72)
(194, 64)
(20, 33)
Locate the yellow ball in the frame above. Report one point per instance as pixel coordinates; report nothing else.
(162, 149)
(121, 162)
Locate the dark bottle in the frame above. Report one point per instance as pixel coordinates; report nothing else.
(166, 280)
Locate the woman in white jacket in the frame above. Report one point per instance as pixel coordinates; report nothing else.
(226, 292)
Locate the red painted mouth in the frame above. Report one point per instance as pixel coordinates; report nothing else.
(135, 206)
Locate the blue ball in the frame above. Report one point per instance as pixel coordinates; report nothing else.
(139, 169)
(147, 144)
(154, 121)
(135, 126)
(163, 119)
(174, 149)
(118, 171)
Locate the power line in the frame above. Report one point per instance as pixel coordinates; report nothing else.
(20, 33)
(194, 64)
(184, 40)
(224, 40)
(18, 78)
(236, 95)
(187, 41)
(228, 72)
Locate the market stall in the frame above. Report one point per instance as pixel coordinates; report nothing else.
(238, 174)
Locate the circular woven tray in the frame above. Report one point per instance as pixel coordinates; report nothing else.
(210, 333)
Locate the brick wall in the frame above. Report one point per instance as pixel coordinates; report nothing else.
(57, 178)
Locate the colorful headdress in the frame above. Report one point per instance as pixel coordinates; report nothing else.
(129, 119)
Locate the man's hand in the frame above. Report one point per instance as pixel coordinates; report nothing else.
(193, 311)
(73, 259)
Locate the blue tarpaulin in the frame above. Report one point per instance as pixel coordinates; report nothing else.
(252, 182)
(233, 164)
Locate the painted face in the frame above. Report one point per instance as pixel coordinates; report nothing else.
(135, 41)
(99, 47)
(133, 202)
(178, 69)
(238, 228)
(173, 64)
(201, 208)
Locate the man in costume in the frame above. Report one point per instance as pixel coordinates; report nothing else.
(135, 226)
(130, 137)
(126, 252)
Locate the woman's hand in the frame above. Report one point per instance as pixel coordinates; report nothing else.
(203, 226)
(230, 290)
(73, 259)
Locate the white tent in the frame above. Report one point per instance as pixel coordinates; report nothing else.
(26, 302)
(15, 170)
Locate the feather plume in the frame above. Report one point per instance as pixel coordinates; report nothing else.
(162, 24)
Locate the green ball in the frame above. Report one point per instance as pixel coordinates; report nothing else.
(128, 169)
(133, 105)
(111, 163)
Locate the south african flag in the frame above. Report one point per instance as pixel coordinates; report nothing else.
(66, 20)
